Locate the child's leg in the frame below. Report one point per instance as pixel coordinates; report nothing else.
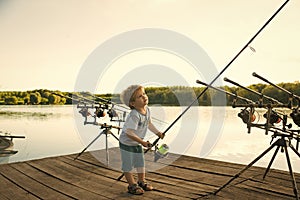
(129, 177)
(141, 179)
(127, 156)
(133, 188)
(141, 174)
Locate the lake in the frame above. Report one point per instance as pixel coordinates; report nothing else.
(208, 132)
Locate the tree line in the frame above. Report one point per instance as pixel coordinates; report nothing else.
(166, 96)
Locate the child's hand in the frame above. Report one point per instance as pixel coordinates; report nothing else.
(161, 135)
(147, 144)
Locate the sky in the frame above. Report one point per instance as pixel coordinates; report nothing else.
(48, 44)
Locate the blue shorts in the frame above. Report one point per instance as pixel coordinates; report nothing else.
(132, 157)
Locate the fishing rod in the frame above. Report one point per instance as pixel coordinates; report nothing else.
(292, 95)
(271, 116)
(226, 92)
(87, 100)
(101, 109)
(246, 115)
(214, 80)
(73, 99)
(272, 100)
(248, 101)
(285, 133)
(84, 104)
(77, 98)
(102, 99)
(115, 106)
(223, 70)
(295, 115)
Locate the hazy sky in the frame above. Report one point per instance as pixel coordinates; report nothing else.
(44, 44)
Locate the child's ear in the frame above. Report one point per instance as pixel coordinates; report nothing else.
(131, 103)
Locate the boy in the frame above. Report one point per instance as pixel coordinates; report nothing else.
(131, 138)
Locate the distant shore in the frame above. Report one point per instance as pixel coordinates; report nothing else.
(165, 96)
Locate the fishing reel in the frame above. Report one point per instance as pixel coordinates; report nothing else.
(117, 114)
(274, 117)
(112, 113)
(100, 110)
(295, 115)
(247, 116)
(161, 152)
(84, 112)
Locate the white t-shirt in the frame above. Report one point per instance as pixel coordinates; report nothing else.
(137, 122)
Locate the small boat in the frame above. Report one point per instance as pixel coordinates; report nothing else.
(6, 145)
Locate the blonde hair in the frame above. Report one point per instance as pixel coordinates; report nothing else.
(128, 95)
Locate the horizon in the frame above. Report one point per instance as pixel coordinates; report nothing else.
(231, 86)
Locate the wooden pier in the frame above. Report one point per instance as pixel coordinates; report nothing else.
(63, 177)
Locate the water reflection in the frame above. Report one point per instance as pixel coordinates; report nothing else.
(34, 115)
(48, 131)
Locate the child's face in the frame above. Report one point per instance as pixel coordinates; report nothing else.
(141, 98)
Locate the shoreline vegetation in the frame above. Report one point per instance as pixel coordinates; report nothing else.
(164, 96)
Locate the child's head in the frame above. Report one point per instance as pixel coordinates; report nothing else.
(128, 96)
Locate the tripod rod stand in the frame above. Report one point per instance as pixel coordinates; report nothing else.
(284, 144)
(106, 131)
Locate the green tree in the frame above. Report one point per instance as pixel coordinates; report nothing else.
(35, 98)
(12, 100)
(44, 101)
(53, 99)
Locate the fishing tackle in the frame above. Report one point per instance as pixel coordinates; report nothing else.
(214, 80)
(161, 152)
(221, 72)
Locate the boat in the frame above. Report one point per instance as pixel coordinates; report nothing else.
(6, 145)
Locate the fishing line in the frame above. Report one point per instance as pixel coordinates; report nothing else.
(223, 70)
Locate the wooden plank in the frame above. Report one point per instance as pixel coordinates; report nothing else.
(30, 185)
(233, 192)
(175, 185)
(54, 183)
(99, 169)
(9, 190)
(208, 174)
(175, 171)
(103, 186)
(3, 197)
(159, 185)
(181, 178)
(78, 178)
(178, 180)
(191, 163)
(270, 189)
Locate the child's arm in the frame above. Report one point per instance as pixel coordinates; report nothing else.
(131, 134)
(153, 129)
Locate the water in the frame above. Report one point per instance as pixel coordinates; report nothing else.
(209, 132)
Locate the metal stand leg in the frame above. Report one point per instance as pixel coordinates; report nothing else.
(279, 143)
(247, 167)
(106, 148)
(291, 170)
(89, 145)
(296, 152)
(271, 162)
(106, 131)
